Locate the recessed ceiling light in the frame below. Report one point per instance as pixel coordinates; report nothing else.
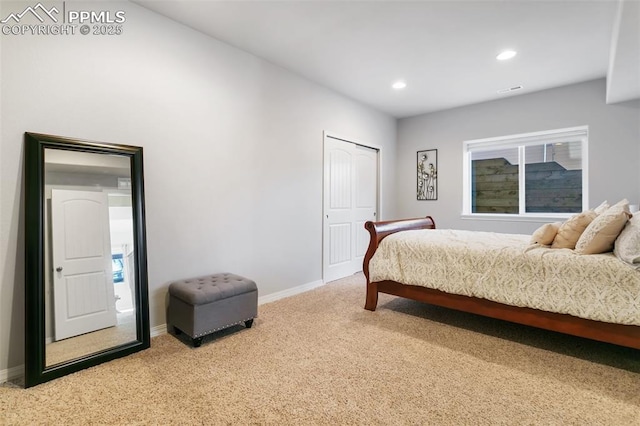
(507, 54)
(399, 85)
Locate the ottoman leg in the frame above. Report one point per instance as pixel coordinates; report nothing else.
(248, 323)
(197, 341)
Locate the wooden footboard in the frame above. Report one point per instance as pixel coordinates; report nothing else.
(623, 335)
(379, 230)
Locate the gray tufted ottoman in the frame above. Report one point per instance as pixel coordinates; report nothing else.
(199, 306)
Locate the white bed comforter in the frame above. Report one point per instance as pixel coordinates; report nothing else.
(504, 268)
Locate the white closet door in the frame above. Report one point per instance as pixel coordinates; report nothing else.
(350, 199)
(366, 197)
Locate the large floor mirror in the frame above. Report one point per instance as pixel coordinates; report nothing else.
(86, 268)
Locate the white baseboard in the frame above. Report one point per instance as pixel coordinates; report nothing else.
(159, 330)
(289, 292)
(11, 373)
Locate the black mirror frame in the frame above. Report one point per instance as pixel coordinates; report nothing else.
(36, 371)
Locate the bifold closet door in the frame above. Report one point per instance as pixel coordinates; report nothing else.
(350, 199)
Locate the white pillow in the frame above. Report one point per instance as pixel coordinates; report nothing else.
(627, 246)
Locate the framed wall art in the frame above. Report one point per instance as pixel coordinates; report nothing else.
(427, 174)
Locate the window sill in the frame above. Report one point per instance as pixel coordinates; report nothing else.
(531, 217)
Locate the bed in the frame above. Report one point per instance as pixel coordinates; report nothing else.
(514, 281)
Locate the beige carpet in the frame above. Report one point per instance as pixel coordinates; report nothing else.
(89, 343)
(320, 358)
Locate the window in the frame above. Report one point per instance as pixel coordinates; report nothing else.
(534, 174)
(117, 263)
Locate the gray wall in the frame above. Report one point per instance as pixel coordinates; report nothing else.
(614, 147)
(232, 146)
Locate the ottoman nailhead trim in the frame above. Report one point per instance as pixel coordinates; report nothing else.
(223, 327)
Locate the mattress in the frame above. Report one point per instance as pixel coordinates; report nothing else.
(505, 268)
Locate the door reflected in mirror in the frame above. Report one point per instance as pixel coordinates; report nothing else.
(89, 254)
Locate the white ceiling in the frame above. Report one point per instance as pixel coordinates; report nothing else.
(444, 50)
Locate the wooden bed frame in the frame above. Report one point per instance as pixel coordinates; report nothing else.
(623, 335)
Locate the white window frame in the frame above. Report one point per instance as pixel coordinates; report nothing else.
(520, 141)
